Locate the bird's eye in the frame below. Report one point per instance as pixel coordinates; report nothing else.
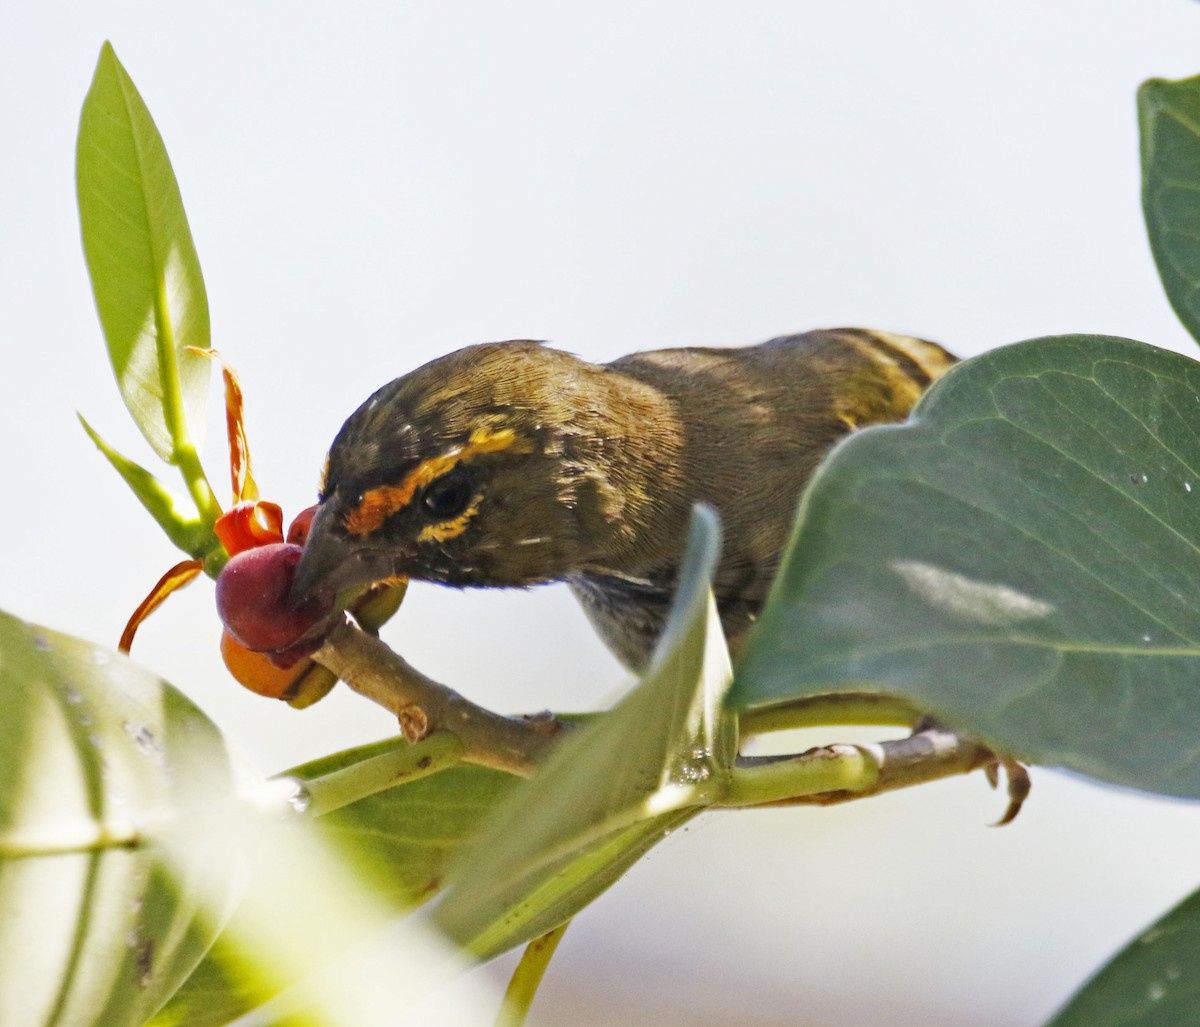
(448, 496)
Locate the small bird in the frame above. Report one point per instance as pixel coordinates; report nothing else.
(513, 464)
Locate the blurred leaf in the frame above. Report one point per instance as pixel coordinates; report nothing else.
(313, 934)
(1169, 116)
(1154, 982)
(409, 834)
(1021, 560)
(145, 274)
(98, 758)
(613, 790)
(398, 843)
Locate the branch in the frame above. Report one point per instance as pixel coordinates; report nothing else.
(840, 773)
(822, 776)
(517, 745)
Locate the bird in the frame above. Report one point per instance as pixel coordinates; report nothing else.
(514, 464)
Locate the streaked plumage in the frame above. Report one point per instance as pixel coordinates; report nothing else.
(513, 464)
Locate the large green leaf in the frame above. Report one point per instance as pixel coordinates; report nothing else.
(1154, 982)
(1022, 559)
(1169, 113)
(98, 760)
(124, 845)
(318, 929)
(398, 842)
(610, 792)
(142, 261)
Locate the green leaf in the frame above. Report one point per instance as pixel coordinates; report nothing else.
(98, 759)
(407, 835)
(398, 842)
(1153, 982)
(145, 274)
(1169, 117)
(303, 903)
(611, 791)
(184, 529)
(1021, 560)
(524, 983)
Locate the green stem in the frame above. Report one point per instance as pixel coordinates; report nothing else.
(835, 768)
(842, 709)
(187, 460)
(838, 773)
(528, 975)
(324, 794)
(183, 451)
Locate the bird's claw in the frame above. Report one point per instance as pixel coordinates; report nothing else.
(1019, 785)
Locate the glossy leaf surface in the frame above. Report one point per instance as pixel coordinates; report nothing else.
(1169, 116)
(1154, 982)
(1021, 560)
(98, 759)
(145, 273)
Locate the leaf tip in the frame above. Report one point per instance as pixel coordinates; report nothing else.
(1151, 95)
(91, 432)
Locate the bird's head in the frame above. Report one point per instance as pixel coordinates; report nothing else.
(484, 467)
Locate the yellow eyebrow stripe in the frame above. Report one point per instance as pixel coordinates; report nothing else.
(448, 529)
(377, 505)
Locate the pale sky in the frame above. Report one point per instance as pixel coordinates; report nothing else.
(372, 185)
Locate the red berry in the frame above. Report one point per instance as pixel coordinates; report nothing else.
(252, 599)
(256, 671)
(301, 526)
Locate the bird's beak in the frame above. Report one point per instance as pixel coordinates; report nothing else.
(332, 562)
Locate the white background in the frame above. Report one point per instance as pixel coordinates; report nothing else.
(372, 185)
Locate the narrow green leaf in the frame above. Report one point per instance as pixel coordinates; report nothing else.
(98, 759)
(399, 842)
(1169, 117)
(184, 529)
(610, 792)
(1020, 559)
(145, 273)
(1153, 982)
(523, 986)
